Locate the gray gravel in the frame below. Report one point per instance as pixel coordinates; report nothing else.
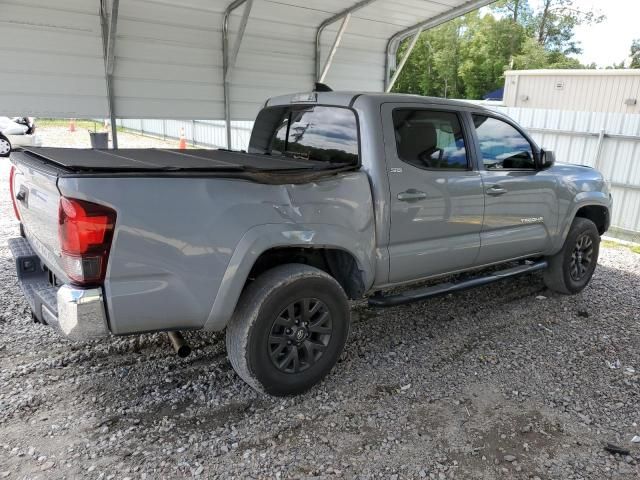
(506, 381)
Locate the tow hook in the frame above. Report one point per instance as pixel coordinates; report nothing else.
(179, 344)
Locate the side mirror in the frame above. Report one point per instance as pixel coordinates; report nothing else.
(547, 159)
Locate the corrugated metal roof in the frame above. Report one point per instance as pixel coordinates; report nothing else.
(168, 55)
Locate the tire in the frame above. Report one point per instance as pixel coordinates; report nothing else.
(267, 332)
(570, 270)
(5, 146)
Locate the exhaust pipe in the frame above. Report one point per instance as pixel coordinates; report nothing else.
(179, 344)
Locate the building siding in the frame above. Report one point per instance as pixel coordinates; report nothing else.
(574, 90)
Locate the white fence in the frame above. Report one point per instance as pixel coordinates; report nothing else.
(204, 133)
(609, 142)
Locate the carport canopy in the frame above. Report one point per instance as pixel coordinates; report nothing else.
(198, 59)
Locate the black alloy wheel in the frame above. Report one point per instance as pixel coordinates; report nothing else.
(581, 258)
(300, 335)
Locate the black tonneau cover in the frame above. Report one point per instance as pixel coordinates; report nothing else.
(160, 160)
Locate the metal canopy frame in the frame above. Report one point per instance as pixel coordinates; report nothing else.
(345, 16)
(394, 42)
(109, 23)
(229, 61)
(109, 26)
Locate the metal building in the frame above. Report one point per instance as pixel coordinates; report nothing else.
(616, 91)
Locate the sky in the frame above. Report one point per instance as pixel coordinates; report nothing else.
(610, 41)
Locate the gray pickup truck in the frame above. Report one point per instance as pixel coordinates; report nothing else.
(339, 196)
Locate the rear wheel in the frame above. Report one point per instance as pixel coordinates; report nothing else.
(288, 330)
(571, 269)
(5, 146)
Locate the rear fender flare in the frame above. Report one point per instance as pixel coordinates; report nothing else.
(261, 238)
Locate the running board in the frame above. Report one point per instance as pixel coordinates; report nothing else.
(418, 295)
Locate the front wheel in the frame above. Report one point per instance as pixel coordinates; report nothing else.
(5, 146)
(571, 269)
(288, 330)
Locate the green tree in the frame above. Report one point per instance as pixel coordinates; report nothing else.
(518, 10)
(635, 54)
(467, 57)
(434, 63)
(488, 51)
(555, 24)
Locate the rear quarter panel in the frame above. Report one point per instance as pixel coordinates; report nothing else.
(175, 239)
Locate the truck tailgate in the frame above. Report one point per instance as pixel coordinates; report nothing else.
(37, 200)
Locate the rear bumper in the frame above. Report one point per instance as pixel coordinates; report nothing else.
(77, 313)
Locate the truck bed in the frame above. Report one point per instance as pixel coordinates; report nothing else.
(161, 160)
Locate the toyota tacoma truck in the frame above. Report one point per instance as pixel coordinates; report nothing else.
(339, 196)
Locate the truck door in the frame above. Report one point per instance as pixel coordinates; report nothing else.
(520, 200)
(436, 194)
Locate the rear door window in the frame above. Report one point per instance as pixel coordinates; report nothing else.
(429, 139)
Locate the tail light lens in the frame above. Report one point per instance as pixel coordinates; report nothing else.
(12, 174)
(85, 230)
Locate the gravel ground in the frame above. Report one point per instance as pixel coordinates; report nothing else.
(506, 381)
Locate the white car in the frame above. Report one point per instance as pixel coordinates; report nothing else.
(17, 133)
(5, 146)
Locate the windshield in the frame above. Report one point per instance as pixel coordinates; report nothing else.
(325, 134)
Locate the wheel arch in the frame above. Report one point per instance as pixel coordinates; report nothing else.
(346, 256)
(598, 214)
(337, 262)
(594, 206)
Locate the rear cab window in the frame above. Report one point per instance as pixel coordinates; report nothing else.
(325, 134)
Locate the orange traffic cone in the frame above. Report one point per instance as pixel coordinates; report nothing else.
(72, 125)
(183, 141)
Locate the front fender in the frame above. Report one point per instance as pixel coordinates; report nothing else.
(261, 238)
(582, 199)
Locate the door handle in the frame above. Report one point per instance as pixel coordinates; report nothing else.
(21, 196)
(496, 191)
(411, 195)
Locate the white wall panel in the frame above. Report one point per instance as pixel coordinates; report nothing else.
(51, 59)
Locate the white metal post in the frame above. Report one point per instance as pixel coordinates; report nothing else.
(109, 24)
(334, 48)
(339, 16)
(398, 71)
(598, 154)
(229, 61)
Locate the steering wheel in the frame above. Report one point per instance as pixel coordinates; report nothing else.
(426, 157)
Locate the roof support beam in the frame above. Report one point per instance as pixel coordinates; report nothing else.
(394, 42)
(109, 25)
(345, 16)
(402, 63)
(229, 57)
(334, 48)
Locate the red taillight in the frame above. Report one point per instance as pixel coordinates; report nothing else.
(85, 230)
(12, 175)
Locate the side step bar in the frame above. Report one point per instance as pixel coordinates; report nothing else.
(418, 295)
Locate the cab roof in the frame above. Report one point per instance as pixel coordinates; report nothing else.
(349, 99)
